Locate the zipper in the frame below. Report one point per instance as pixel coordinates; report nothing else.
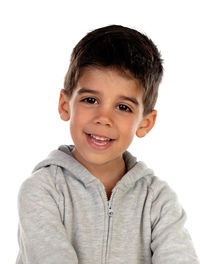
(110, 211)
(110, 214)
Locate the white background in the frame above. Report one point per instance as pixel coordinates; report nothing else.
(37, 38)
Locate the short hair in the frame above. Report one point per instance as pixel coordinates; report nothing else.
(123, 49)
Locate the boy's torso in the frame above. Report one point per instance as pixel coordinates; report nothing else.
(141, 223)
(102, 231)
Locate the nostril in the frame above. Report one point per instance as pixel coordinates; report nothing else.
(104, 121)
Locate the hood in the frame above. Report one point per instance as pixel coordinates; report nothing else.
(63, 158)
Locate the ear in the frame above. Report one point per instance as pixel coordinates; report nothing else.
(63, 106)
(146, 124)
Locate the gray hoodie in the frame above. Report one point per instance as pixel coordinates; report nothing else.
(66, 218)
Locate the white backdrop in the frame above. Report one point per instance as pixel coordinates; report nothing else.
(37, 38)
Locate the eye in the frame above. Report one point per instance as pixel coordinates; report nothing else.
(89, 100)
(125, 108)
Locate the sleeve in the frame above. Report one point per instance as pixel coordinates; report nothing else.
(171, 242)
(42, 236)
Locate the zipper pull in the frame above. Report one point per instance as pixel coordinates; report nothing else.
(110, 211)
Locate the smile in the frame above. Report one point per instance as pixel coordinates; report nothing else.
(100, 138)
(98, 142)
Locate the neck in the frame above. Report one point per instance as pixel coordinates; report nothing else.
(109, 174)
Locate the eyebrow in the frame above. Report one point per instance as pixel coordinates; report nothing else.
(86, 90)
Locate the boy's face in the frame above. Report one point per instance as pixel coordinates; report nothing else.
(105, 112)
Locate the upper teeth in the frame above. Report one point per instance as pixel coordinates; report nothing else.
(100, 138)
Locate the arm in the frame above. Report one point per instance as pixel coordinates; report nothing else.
(42, 235)
(171, 243)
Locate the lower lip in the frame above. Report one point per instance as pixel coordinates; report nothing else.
(91, 142)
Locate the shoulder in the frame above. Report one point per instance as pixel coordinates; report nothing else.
(42, 183)
(161, 190)
(165, 205)
(40, 178)
(156, 185)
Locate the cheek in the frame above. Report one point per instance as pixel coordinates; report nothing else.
(128, 129)
(78, 118)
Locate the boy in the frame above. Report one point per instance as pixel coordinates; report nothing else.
(92, 202)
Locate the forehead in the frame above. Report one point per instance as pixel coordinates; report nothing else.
(100, 77)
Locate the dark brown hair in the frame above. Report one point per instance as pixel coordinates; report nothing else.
(124, 49)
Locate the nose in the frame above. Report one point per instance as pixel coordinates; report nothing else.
(103, 117)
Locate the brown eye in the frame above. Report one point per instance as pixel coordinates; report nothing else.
(89, 100)
(125, 108)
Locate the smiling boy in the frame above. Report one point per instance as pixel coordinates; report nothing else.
(108, 105)
(93, 202)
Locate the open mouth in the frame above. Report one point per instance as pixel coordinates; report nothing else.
(99, 141)
(103, 139)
